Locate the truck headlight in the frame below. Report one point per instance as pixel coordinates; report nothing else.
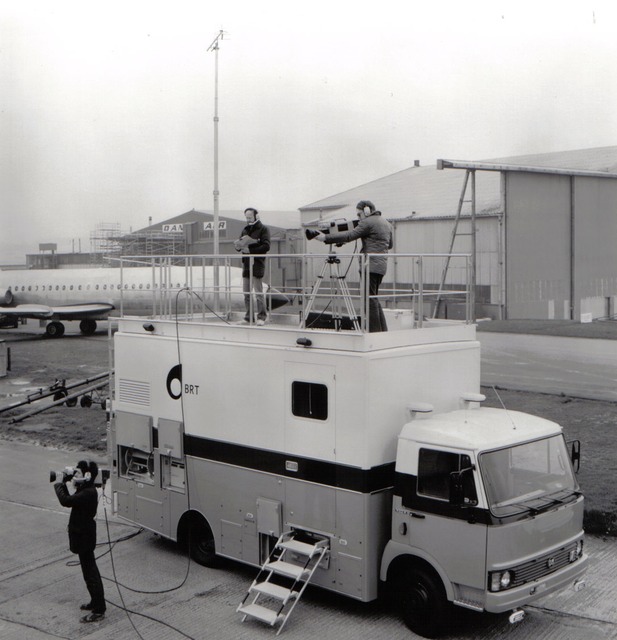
(500, 580)
(577, 552)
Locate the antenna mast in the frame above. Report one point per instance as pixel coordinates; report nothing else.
(215, 47)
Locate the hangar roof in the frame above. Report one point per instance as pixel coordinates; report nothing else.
(424, 192)
(274, 219)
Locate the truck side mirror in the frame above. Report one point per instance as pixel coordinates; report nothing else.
(575, 454)
(457, 491)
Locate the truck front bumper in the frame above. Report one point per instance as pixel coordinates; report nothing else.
(499, 601)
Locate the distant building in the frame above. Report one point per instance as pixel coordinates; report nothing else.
(192, 233)
(545, 227)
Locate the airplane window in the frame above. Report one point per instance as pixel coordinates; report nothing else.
(37, 287)
(71, 288)
(79, 287)
(63, 287)
(96, 286)
(141, 286)
(88, 287)
(132, 286)
(126, 286)
(104, 287)
(148, 286)
(57, 288)
(30, 288)
(111, 286)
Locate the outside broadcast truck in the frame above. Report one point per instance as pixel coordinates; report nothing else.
(359, 462)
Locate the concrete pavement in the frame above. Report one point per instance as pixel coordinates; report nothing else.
(41, 587)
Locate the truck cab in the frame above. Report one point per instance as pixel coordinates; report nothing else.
(486, 514)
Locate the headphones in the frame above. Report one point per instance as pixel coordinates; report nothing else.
(367, 207)
(90, 474)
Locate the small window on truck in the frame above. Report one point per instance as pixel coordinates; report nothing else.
(309, 400)
(434, 469)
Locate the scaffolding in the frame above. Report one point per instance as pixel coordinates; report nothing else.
(106, 238)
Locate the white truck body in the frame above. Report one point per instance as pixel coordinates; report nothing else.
(237, 434)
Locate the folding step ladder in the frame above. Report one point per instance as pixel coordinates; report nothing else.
(282, 579)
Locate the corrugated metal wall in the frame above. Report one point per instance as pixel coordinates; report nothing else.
(434, 235)
(560, 246)
(537, 232)
(595, 254)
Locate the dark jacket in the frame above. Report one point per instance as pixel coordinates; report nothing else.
(376, 235)
(261, 233)
(82, 523)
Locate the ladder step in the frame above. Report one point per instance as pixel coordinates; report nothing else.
(273, 590)
(286, 569)
(261, 613)
(300, 547)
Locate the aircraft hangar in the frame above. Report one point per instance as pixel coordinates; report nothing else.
(545, 227)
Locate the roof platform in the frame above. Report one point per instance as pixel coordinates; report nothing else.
(323, 302)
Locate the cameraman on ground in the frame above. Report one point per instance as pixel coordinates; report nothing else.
(82, 531)
(376, 235)
(254, 239)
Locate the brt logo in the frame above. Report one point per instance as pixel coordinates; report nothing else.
(174, 384)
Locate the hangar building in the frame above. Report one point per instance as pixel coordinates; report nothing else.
(545, 227)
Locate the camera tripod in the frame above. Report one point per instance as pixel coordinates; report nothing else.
(340, 291)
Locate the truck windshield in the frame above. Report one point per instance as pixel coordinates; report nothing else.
(529, 477)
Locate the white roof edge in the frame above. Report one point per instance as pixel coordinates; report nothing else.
(490, 166)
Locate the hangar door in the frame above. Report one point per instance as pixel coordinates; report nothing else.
(538, 245)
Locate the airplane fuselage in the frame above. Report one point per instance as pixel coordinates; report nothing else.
(92, 294)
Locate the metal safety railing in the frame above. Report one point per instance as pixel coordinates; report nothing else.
(321, 290)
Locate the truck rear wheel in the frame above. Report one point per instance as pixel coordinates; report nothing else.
(424, 606)
(200, 541)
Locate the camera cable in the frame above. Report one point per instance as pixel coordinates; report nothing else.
(123, 606)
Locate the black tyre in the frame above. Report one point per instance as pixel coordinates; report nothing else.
(71, 402)
(85, 401)
(55, 329)
(424, 606)
(201, 543)
(87, 327)
(60, 394)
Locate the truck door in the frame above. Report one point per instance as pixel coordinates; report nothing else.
(453, 536)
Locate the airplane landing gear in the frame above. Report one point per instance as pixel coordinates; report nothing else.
(87, 327)
(54, 330)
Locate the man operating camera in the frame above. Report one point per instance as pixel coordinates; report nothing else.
(82, 531)
(376, 235)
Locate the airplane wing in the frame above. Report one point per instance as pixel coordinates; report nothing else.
(66, 312)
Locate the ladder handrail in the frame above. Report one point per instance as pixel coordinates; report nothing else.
(314, 555)
(444, 273)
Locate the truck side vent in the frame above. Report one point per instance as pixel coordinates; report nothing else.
(134, 392)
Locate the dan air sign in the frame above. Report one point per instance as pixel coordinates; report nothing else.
(179, 227)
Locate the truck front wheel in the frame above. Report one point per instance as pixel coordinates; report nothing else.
(424, 606)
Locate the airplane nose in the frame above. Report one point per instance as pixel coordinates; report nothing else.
(276, 299)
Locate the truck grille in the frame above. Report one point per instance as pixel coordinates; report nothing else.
(541, 566)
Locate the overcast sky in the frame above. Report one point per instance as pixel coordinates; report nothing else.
(107, 107)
